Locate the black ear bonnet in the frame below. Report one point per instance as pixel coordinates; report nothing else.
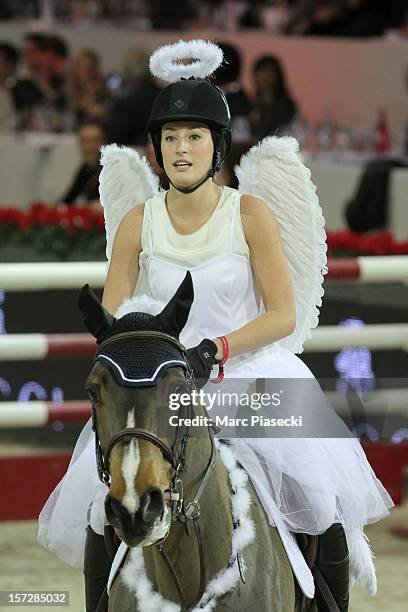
(133, 360)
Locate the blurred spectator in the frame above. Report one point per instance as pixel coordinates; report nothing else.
(251, 17)
(365, 18)
(129, 113)
(227, 78)
(373, 17)
(317, 17)
(274, 15)
(80, 10)
(274, 108)
(271, 15)
(45, 59)
(228, 13)
(34, 49)
(56, 64)
(22, 92)
(368, 209)
(84, 189)
(348, 18)
(57, 56)
(167, 15)
(86, 87)
(314, 17)
(8, 65)
(111, 9)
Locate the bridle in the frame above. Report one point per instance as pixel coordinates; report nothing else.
(180, 511)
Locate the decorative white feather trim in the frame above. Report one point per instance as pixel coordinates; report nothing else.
(126, 180)
(139, 303)
(362, 568)
(273, 171)
(166, 62)
(134, 574)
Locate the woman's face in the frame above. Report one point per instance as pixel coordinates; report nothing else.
(187, 150)
(265, 79)
(86, 68)
(91, 138)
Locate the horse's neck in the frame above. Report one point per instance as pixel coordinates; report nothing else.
(215, 521)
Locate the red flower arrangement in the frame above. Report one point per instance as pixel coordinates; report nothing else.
(60, 231)
(344, 243)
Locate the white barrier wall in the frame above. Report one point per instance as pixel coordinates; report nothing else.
(349, 78)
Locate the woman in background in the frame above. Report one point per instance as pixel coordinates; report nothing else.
(274, 108)
(87, 89)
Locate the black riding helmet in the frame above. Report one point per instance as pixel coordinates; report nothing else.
(193, 100)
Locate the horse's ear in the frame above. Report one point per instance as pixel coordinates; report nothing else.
(174, 316)
(96, 318)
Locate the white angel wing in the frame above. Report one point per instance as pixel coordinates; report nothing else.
(126, 180)
(273, 171)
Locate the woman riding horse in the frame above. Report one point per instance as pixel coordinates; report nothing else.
(244, 304)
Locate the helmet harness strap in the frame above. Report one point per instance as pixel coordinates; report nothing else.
(216, 165)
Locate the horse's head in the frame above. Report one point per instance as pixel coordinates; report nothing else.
(139, 362)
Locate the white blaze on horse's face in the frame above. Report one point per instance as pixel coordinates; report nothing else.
(130, 466)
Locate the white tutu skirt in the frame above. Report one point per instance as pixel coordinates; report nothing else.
(313, 481)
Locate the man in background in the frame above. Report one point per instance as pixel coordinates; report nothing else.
(22, 92)
(45, 60)
(130, 111)
(8, 65)
(84, 189)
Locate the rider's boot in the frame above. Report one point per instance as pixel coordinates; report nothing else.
(333, 563)
(97, 565)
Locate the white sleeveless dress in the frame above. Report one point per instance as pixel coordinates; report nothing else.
(312, 481)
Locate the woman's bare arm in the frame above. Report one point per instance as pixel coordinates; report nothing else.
(124, 264)
(272, 276)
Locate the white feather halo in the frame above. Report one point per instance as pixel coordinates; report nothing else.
(166, 62)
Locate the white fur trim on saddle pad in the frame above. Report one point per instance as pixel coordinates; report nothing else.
(166, 62)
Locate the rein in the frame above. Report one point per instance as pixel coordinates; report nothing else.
(180, 512)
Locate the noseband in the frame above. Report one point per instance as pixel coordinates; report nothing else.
(179, 510)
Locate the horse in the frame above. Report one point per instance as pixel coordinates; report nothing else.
(171, 493)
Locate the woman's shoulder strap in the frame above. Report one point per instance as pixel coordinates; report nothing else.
(147, 235)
